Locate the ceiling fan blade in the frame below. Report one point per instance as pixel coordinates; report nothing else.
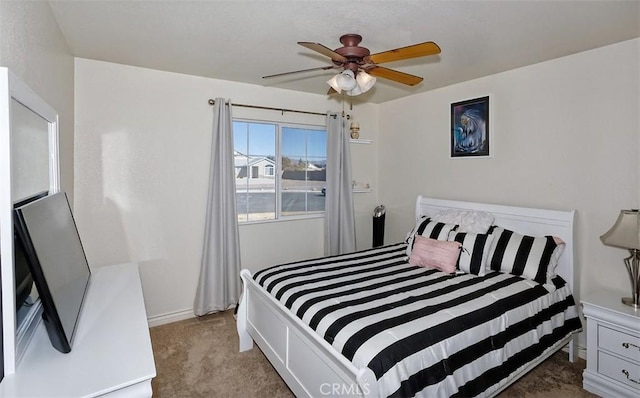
(324, 51)
(416, 50)
(332, 91)
(400, 77)
(300, 71)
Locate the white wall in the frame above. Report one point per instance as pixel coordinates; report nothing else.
(142, 153)
(32, 47)
(566, 135)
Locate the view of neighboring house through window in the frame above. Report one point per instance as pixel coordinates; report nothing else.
(280, 170)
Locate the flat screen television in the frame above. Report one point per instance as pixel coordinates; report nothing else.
(24, 281)
(57, 262)
(22, 275)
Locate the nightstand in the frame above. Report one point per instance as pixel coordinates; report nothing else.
(613, 346)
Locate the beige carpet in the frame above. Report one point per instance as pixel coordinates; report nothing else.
(199, 358)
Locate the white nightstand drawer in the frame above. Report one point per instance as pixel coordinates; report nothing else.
(619, 342)
(619, 369)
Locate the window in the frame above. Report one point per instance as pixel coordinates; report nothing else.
(269, 170)
(280, 170)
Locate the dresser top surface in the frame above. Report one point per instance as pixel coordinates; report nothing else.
(610, 301)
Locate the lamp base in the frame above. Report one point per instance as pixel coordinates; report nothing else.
(633, 268)
(629, 301)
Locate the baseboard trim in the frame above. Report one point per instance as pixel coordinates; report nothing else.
(170, 317)
(582, 352)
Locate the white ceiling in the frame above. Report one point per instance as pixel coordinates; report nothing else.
(244, 40)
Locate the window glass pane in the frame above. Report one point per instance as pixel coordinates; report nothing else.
(240, 136)
(254, 145)
(317, 180)
(262, 139)
(294, 143)
(304, 171)
(317, 146)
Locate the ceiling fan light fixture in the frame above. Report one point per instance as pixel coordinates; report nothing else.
(355, 91)
(354, 59)
(346, 80)
(333, 82)
(365, 81)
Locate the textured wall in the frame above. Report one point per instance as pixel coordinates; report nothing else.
(32, 47)
(566, 136)
(142, 161)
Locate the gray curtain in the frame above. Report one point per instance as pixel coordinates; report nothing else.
(340, 230)
(219, 284)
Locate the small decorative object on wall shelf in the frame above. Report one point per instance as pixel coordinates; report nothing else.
(470, 133)
(355, 130)
(361, 187)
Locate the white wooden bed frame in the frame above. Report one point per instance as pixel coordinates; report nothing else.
(311, 367)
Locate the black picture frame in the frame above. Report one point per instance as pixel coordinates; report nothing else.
(470, 134)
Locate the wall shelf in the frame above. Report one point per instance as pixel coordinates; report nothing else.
(360, 141)
(362, 190)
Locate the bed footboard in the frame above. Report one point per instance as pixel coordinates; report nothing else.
(308, 364)
(246, 342)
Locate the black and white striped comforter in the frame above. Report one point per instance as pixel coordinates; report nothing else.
(423, 332)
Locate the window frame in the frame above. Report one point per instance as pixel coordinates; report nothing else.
(279, 217)
(271, 170)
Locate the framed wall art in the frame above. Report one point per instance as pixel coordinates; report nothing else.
(470, 129)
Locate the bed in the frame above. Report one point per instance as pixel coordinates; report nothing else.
(370, 324)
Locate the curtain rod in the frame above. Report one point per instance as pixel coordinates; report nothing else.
(283, 110)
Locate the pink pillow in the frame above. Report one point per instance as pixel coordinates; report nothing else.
(439, 254)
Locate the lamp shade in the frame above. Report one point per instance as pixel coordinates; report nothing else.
(333, 82)
(365, 81)
(355, 91)
(346, 80)
(625, 233)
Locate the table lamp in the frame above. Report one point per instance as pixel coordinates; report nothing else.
(625, 234)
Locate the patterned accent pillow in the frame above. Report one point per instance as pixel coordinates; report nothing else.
(532, 257)
(432, 253)
(429, 229)
(475, 251)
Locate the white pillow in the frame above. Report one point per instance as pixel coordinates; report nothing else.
(477, 222)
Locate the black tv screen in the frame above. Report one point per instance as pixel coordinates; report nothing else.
(57, 262)
(22, 275)
(24, 281)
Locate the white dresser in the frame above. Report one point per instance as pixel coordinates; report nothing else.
(613, 346)
(111, 354)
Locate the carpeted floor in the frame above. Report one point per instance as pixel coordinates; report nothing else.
(199, 358)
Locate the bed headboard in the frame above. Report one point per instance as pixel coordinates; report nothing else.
(537, 222)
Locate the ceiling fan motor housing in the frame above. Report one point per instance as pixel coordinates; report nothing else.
(351, 51)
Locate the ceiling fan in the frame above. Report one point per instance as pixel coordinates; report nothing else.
(360, 68)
